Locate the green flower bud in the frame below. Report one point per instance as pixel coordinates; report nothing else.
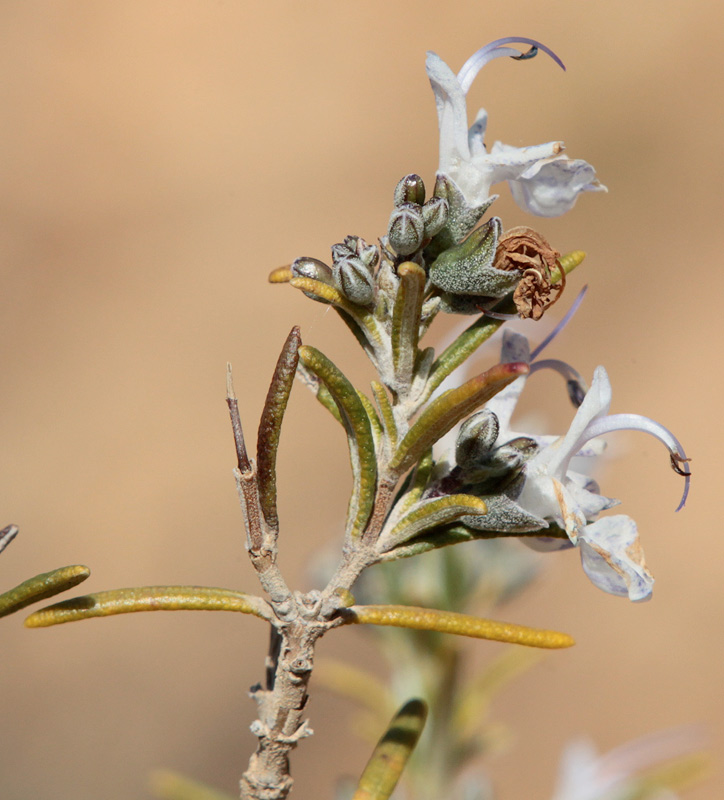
(354, 280)
(476, 439)
(368, 253)
(340, 251)
(306, 267)
(410, 189)
(434, 214)
(406, 229)
(511, 456)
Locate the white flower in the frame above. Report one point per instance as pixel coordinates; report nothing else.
(543, 181)
(610, 550)
(586, 775)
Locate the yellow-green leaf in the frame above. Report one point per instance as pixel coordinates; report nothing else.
(426, 619)
(392, 752)
(448, 409)
(267, 442)
(431, 513)
(148, 598)
(41, 587)
(406, 320)
(359, 436)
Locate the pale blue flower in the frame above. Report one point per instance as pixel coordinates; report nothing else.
(611, 554)
(584, 774)
(543, 180)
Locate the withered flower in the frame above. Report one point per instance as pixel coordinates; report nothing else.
(523, 249)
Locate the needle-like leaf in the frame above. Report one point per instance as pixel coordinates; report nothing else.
(359, 436)
(426, 619)
(430, 514)
(41, 587)
(267, 442)
(448, 409)
(149, 598)
(392, 752)
(406, 320)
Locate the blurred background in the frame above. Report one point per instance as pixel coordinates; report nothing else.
(158, 160)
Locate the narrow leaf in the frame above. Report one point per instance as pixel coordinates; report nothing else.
(385, 407)
(461, 349)
(148, 598)
(359, 436)
(319, 390)
(406, 320)
(375, 422)
(448, 409)
(41, 587)
(457, 533)
(323, 292)
(167, 785)
(430, 514)
(392, 752)
(425, 619)
(281, 275)
(267, 443)
(414, 485)
(568, 263)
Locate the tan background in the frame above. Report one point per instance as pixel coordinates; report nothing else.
(157, 160)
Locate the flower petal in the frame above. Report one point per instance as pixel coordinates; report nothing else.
(551, 187)
(612, 558)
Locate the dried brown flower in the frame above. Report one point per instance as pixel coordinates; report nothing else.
(525, 250)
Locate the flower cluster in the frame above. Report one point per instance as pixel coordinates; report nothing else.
(440, 256)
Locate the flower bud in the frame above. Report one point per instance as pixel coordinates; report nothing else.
(410, 189)
(476, 439)
(434, 214)
(306, 267)
(354, 280)
(368, 253)
(511, 456)
(406, 229)
(340, 251)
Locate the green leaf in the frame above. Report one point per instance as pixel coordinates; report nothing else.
(148, 598)
(41, 587)
(458, 533)
(392, 752)
(356, 317)
(388, 417)
(430, 514)
(448, 409)
(426, 619)
(267, 443)
(359, 436)
(461, 349)
(406, 321)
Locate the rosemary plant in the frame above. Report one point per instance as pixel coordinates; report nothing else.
(440, 254)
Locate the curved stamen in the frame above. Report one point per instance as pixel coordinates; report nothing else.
(636, 422)
(568, 316)
(486, 54)
(574, 381)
